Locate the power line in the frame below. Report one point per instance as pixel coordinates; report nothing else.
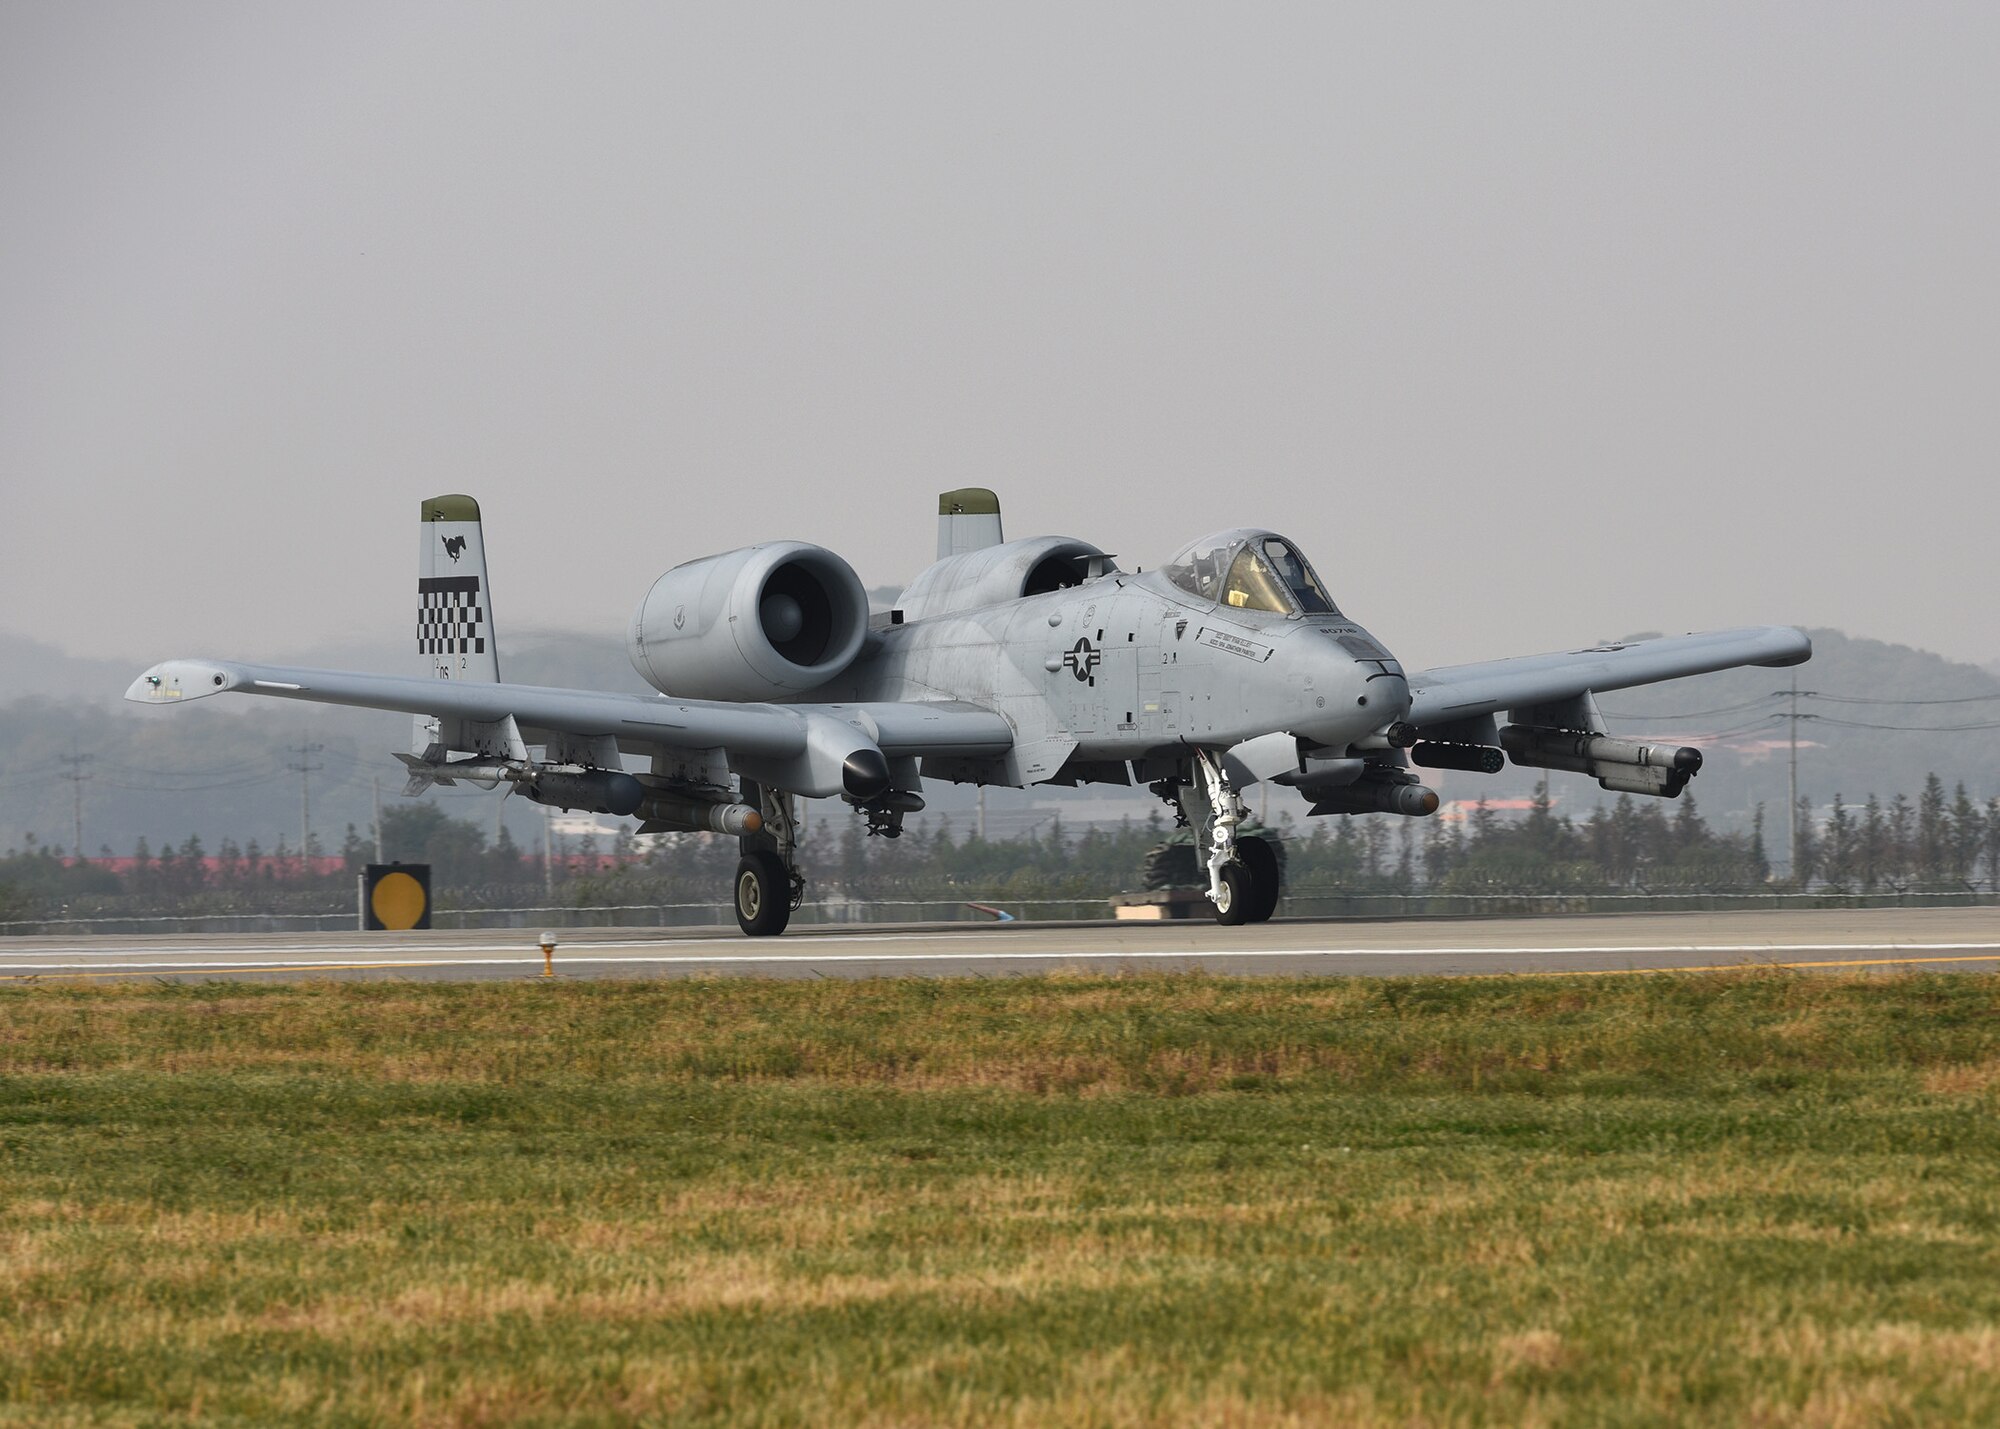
(173, 779)
(1695, 714)
(1777, 695)
(213, 785)
(234, 766)
(361, 760)
(1903, 728)
(1761, 722)
(1865, 700)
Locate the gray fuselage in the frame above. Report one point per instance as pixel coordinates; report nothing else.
(1130, 667)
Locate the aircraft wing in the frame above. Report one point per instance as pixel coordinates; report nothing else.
(1456, 692)
(762, 731)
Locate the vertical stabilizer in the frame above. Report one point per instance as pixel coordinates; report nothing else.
(454, 601)
(968, 520)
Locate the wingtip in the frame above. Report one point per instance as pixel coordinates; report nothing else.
(173, 682)
(1797, 650)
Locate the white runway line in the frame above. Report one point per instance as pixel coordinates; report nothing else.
(416, 949)
(372, 952)
(374, 959)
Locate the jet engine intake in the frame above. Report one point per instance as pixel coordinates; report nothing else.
(1620, 765)
(759, 623)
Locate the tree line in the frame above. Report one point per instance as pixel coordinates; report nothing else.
(1937, 841)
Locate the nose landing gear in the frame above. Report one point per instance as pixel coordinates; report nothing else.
(1243, 875)
(1255, 857)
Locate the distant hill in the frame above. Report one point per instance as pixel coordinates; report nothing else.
(220, 768)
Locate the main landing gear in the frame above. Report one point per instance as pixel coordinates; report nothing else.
(763, 899)
(1244, 882)
(769, 886)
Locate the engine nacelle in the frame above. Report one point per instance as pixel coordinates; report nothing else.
(992, 575)
(755, 624)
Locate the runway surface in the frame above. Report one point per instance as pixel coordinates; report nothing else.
(1821, 939)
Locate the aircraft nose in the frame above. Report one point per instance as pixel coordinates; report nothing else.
(1385, 691)
(1358, 687)
(1389, 696)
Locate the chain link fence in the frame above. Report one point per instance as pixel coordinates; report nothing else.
(1303, 902)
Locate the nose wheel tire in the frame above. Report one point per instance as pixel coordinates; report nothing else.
(1265, 881)
(1233, 907)
(763, 895)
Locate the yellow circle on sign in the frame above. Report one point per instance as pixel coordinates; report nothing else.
(397, 900)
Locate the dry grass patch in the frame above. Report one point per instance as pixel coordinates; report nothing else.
(1072, 1200)
(1540, 1351)
(682, 1286)
(1964, 1079)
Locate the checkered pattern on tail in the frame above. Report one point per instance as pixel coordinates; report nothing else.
(450, 620)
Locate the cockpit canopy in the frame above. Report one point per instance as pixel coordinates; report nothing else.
(1251, 570)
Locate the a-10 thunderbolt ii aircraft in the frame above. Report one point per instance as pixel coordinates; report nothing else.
(1006, 662)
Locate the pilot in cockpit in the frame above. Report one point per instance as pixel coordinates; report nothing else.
(1300, 577)
(1251, 570)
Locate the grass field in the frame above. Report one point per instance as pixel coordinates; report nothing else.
(1755, 1198)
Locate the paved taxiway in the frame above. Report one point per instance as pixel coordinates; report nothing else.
(1829, 939)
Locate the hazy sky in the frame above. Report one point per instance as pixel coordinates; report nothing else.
(1531, 324)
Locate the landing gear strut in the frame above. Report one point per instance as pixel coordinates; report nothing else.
(1243, 879)
(769, 887)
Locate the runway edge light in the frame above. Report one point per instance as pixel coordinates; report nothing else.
(395, 896)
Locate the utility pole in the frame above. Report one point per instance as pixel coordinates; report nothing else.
(549, 854)
(1792, 852)
(77, 778)
(305, 767)
(377, 783)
